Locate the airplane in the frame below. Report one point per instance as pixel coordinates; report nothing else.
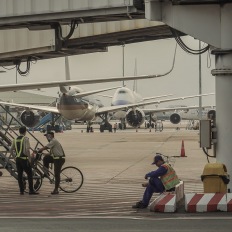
(135, 118)
(75, 103)
(73, 107)
(124, 96)
(84, 105)
(177, 113)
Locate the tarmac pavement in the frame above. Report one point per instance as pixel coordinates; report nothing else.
(114, 166)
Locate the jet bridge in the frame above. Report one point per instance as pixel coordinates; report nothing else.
(39, 26)
(44, 29)
(45, 14)
(19, 45)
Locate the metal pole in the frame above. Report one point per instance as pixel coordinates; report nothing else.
(200, 86)
(223, 73)
(16, 76)
(123, 63)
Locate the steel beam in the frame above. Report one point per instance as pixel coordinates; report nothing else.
(210, 23)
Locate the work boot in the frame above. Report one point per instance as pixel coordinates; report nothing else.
(54, 192)
(139, 205)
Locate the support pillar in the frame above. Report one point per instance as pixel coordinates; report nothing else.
(223, 86)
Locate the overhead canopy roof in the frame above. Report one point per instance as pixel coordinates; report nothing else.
(100, 23)
(89, 44)
(26, 98)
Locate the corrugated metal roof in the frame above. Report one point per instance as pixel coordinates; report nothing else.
(26, 98)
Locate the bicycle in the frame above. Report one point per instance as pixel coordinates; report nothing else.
(71, 178)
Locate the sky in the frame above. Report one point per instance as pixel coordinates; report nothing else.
(153, 57)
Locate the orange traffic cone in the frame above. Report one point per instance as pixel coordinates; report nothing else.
(182, 153)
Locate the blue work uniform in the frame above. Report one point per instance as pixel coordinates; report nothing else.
(155, 185)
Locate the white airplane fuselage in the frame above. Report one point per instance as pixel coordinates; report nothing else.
(124, 96)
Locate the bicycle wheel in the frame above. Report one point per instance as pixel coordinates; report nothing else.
(71, 179)
(37, 181)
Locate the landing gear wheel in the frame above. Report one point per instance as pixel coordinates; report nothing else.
(71, 179)
(120, 126)
(102, 128)
(110, 127)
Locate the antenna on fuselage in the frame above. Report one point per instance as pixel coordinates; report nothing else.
(64, 89)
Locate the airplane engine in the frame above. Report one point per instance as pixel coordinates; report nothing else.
(29, 118)
(211, 114)
(175, 118)
(135, 117)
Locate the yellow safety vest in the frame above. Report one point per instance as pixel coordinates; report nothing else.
(19, 148)
(170, 179)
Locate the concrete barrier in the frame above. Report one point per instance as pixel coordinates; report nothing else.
(167, 201)
(208, 202)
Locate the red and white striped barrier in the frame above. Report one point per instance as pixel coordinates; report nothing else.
(167, 201)
(208, 202)
(229, 202)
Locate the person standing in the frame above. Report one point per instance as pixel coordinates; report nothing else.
(20, 149)
(160, 180)
(56, 156)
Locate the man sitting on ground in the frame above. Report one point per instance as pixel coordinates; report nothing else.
(160, 180)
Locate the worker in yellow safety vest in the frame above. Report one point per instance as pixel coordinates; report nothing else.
(160, 180)
(20, 149)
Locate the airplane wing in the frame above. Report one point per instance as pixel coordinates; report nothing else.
(104, 109)
(125, 107)
(145, 99)
(39, 85)
(103, 95)
(50, 109)
(154, 97)
(87, 93)
(146, 111)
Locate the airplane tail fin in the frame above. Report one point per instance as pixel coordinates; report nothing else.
(64, 89)
(67, 72)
